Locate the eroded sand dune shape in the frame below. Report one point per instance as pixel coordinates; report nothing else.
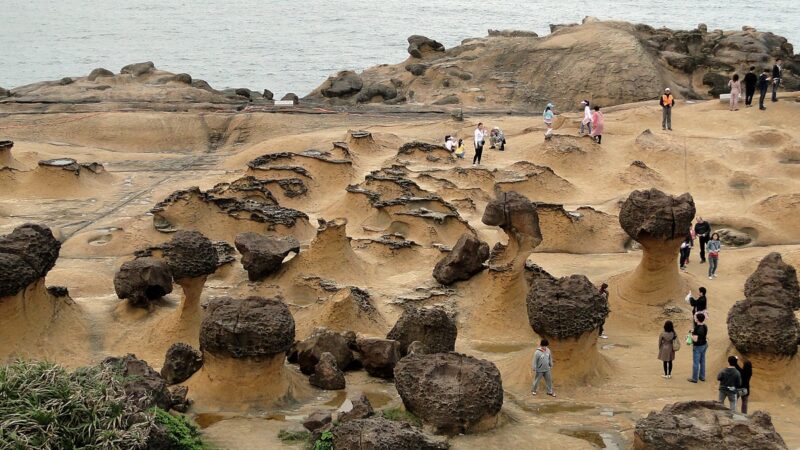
(373, 212)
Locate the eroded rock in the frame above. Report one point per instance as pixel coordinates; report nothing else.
(432, 327)
(321, 341)
(26, 254)
(251, 327)
(190, 254)
(419, 46)
(465, 260)
(652, 214)
(141, 383)
(565, 308)
(774, 279)
(263, 255)
(378, 433)
(379, 356)
(180, 363)
(326, 374)
(143, 280)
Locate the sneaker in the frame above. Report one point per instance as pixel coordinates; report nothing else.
(551, 394)
(702, 261)
(702, 379)
(762, 109)
(665, 376)
(710, 278)
(664, 128)
(669, 376)
(691, 380)
(670, 128)
(533, 392)
(603, 336)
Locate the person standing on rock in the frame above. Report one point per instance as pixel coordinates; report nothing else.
(763, 84)
(667, 102)
(598, 122)
(746, 371)
(543, 366)
(736, 91)
(730, 380)
(750, 81)
(777, 71)
(699, 348)
(702, 229)
(549, 115)
(713, 247)
(587, 117)
(480, 137)
(666, 347)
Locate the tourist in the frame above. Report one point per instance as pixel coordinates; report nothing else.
(736, 91)
(598, 122)
(750, 80)
(777, 71)
(460, 149)
(480, 135)
(587, 117)
(543, 365)
(449, 143)
(548, 115)
(604, 293)
(763, 84)
(713, 247)
(699, 347)
(729, 382)
(667, 102)
(686, 250)
(702, 229)
(746, 371)
(497, 138)
(700, 304)
(666, 347)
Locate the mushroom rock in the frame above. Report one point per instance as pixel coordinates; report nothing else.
(463, 261)
(379, 356)
(191, 257)
(379, 433)
(263, 255)
(518, 218)
(776, 280)
(321, 341)
(6, 160)
(659, 222)
(763, 325)
(432, 327)
(30, 251)
(244, 342)
(180, 363)
(143, 280)
(451, 392)
(705, 424)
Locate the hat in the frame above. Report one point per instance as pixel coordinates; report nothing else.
(666, 89)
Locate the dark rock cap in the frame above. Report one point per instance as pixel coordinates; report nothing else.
(655, 215)
(432, 327)
(26, 254)
(565, 308)
(190, 254)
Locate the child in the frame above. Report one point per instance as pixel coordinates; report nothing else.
(597, 122)
(460, 149)
(548, 115)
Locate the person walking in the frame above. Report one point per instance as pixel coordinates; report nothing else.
(736, 91)
(700, 304)
(598, 122)
(750, 80)
(480, 137)
(686, 250)
(746, 371)
(713, 247)
(702, 229)
(604, 293)
(543, 366)
(763, 84)
(730, 380)
(777, 71)
(667, 102)
(667, 342)
(699, 347)
(587, 117)
(549, 115)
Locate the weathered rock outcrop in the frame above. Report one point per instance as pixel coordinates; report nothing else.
(517, 216)
(342, 84)
(190, 255)
(251, 327)
(776, 280)
(26, 255)
(141, 383)
(464, 260)
(705, 424)
(355, 407)
(420, 46)
(760, 325)
(263, 255)
(565, 308)
(321, 341)
(432, 327)
(143, 280)
(379, 356)
(378, 433)
(180, 363)
(451, 392)
(326, 374)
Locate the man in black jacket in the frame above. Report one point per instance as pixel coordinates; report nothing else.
(763, 84)
(776, 78)
(702, 229)
(750, 80)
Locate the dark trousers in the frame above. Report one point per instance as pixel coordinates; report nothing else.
(667, 367)
(761, 99)
(478, 153)
(685, 255)
(748, 95)
(775, 86)
(703, 242)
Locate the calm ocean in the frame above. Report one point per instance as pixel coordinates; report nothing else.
(293, 45)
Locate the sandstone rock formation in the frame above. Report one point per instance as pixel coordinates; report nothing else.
(379, 356)
(565, 308)
(451, 392)
(705, 424)
(321, 341)
(141, 383)
(517, 216)
(180, 363)
(776, 280)
(263, 255)
(432, 327)
(26, 255)
(190, 255)
(142, 280)
(252, 327)
(378, 433)
(659, 222)
(464, 260)
(326, 374)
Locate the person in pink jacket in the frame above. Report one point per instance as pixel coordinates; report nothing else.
(597, 125)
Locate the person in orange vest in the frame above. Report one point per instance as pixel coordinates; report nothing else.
(667, 102)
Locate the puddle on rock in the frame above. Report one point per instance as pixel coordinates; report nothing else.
(599, 439)
(499, 347)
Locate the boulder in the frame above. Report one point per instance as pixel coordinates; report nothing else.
(190, 254)
(379, 356)
(705, 424)
(323, 340)
(326, 374)
(263, 255)
(431, 327)
(26, 255)
(652, 214)
(354, 408)
(252, 327)
(734, 238)
(417, 69)
(378, 433)
(268, 95)
(776, 280)
(179, 398)
(142, 385)
(292, 97)
(342, 84)
(317, 420)
(138, 69)
(449, 391)
(180, 363)
(183, 78)
(465, 260)
(763, 326)
(419, 46)
(384, 91)
(99, 72)
(515, 214)
(142, 280)
(565, 308)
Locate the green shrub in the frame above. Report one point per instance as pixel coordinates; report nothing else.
(401, 415)
(294, 437)
(325, 441)
(182, 433)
